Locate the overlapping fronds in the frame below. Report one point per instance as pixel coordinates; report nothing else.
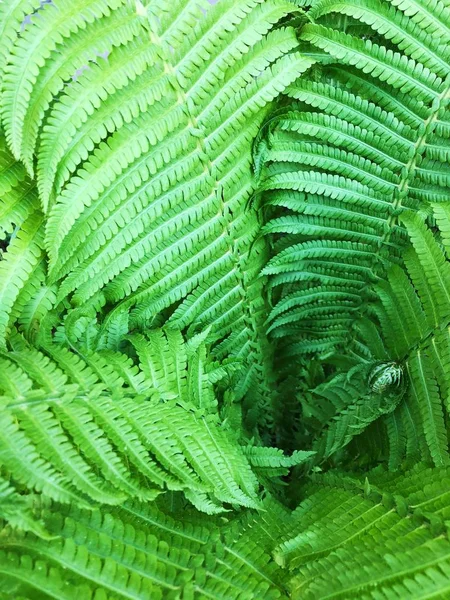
(361, 140)
(135, 551)
(391, 536)
(155, 289)
(358, 146)
(142, 430)
(420, 308)
(398, 368)
(24, 295)
(136, 121)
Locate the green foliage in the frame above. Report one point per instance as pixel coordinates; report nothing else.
(138, 429)
(346, 158)
(135, 551)
(137, 124)
(352, 164)
(390, 535)
(224, 299)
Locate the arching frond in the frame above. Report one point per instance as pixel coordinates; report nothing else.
(215, 379)
(24, 296)
(142, 431)
(138, 123)
(135, 551)
(348, 156)
(376, 528)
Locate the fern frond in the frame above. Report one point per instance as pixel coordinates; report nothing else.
(136, 551)
(32, 49)
(22, 258)
(189, 348)
(390, 23)
(399, 549)
(84, 50)
(425, 392)
(138, 122)
(431, 17)
(127, 439)
(435, 268)
(390, 67)
(354, 152)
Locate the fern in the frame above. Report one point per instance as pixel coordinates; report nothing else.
(124, 115)
(161, 554)
(140, 431)
(218, 381)
(347, 158)
(24, 296)
(424, 347)
(392, 546)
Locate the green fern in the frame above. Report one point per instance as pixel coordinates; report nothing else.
(142, 430)
(124, 114)
(24, 296)
(218, 382)
(389, 544)
(346, 158)
(351, 153)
